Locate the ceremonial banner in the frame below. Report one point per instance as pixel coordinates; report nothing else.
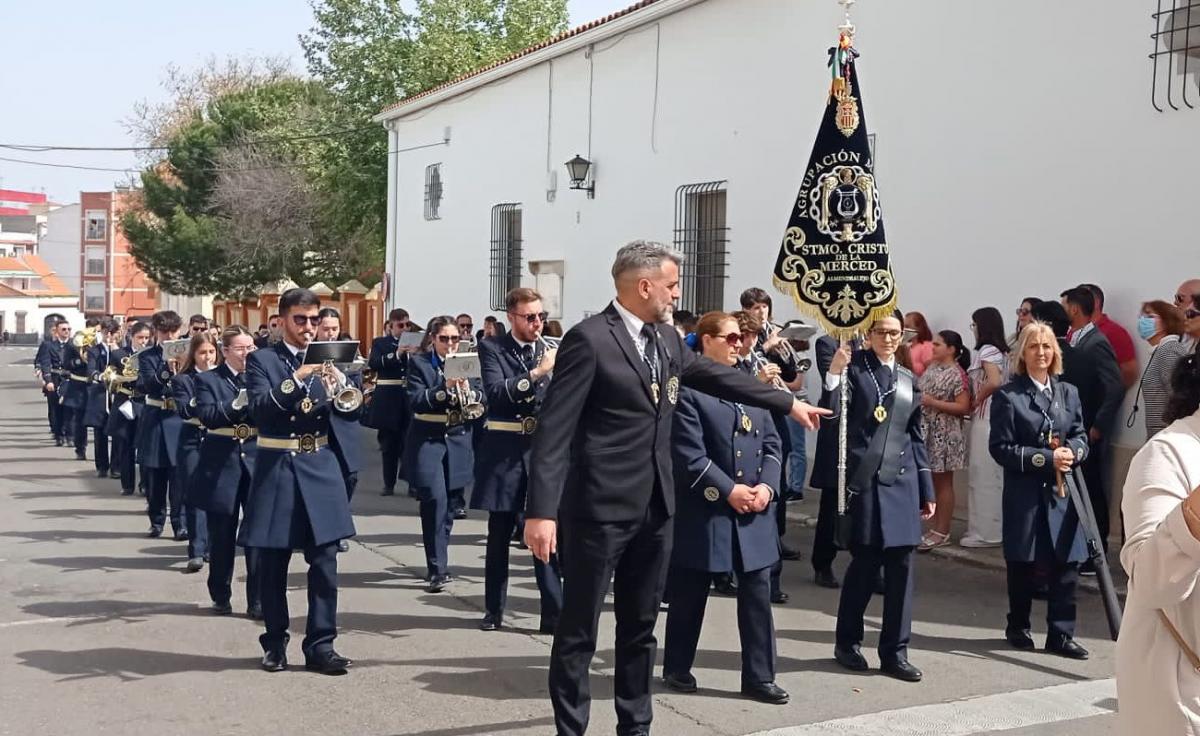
(834, 261)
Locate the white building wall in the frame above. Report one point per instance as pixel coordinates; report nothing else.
(1018, 153)
(61, 244)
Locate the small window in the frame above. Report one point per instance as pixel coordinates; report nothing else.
(93, 296)
(95, 261)
(505, 252)
(21, 322)
(701, 234)
(96, 225)
(433, 191)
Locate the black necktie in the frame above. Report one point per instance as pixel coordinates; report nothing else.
(299, 358)
(1048, 394)
(527, 354)
(650, 353)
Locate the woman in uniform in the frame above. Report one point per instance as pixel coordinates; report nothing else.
(727, 480)
(201, 357)
(438, 451)
(891, 492)
(122, 429)
(226, 464)
(1037, 435)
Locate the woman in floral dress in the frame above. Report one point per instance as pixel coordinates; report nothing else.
(945, 401)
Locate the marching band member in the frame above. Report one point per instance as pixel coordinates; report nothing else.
(100, 357)
(159, 428)
(123, 430)
(201, 357)
(297, 498)
(892, 492)
(225, 467)
(728, 468)
(516, 369)
(389, 412)
(345, 435)
(438, 453)
(1037, 433)
(74, 393)
(52, 374)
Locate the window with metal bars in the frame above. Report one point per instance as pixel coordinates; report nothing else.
(1175, 62)
(433, 191)
(703, 237)
(505, 252)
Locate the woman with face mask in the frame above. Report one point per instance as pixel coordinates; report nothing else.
(1161, 325)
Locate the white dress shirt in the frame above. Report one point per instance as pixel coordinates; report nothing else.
(633, 324)
(832, 381)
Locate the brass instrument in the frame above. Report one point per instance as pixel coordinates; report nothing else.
(346, 397)
(464, 365)
(83, 340)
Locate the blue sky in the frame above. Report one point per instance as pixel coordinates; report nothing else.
(70, 76)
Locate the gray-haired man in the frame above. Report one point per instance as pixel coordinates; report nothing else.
(601, 465)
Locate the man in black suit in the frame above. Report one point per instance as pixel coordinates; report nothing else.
(49, 364)
(1094, 371)
(604, 437)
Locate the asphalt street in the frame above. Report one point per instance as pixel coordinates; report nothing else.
(102, 632)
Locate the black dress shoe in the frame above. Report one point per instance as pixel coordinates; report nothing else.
(254, 612)
(274, 661)
(327, 663)
(437, 583)
(680, 682)
(826, 579)
(1068, 648)
(852, 659)
(388, 492)
(101, 473)
(126, 491)
(765, 692)
(901, 669)
(780, 597)
(460, 513)
(181, 535)
(1019, 638)
(788, 553)
(58, 441)
(724, 585)
(343, 545)
(222, 609)
(81, 456)
(114, 474)
(490, 622)
(195, 564)
(155, 532)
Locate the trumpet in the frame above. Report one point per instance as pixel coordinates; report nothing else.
(346, 397)
(471, 410)
(550, 343)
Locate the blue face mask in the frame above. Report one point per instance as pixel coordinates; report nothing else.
(1146, 327)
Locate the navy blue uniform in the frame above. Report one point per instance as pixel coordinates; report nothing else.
(715, 445)
(74, 397)
(1039, 526)
(187, 456)
(438, 454)
(297, 497)
(49, 363)
(345, 439)
(221, 483)
(390, 412)
(502, 467)
(100, 357)
(121, 431)
(158, 439)
(885, 516)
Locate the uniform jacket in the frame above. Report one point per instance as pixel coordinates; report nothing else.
(436, 453)
(224, 462)
(49, 362)
(74, 389)
(882, 515)
(346, 434)
(187, 452)
(1038, 525)
(100, 357)
(158, 431)
(117, 425)
(502, 462)
(1095, 373)
(602, 450)
(712, 451)
(281, 478)
(389, 404)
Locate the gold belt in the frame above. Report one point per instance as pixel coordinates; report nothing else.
(525, 426)
(240, 432)
(391, 381)
(306, 443)
(431, 418)
(194, 422)
(126, 391)
(84, 379)
(168, 404)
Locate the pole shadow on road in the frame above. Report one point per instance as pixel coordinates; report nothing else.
(67, 535)
(108, 611)
(489, 728)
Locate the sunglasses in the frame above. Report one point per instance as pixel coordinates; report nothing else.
(465, 325)
(302, 319)
(448, 339)
(734, 339)
(531, 318)
(1022, 312)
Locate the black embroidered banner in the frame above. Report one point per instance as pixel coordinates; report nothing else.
(835, 262)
